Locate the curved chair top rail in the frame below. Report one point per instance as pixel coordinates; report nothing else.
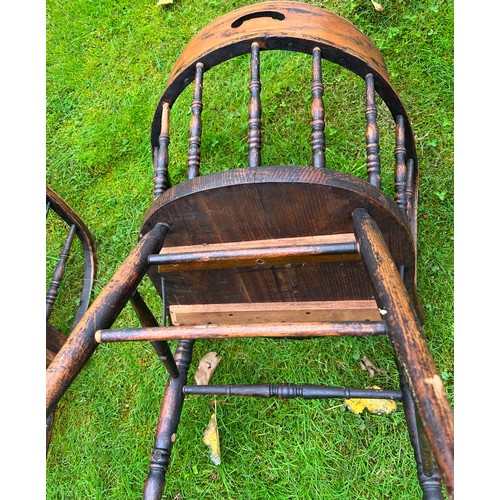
(290, 26)
(68, 215)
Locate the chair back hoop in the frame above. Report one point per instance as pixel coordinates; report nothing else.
(297, 27)
(68, 215)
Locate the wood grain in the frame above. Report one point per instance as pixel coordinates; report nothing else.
(80, 345)
(276, 312)
(284, 251)
(268, 330)
(410, 346)
(266, 203)
(291, 26)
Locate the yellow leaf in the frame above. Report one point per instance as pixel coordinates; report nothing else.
(377, 406)
(211, 439)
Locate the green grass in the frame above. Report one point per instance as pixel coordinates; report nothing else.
(107, 64)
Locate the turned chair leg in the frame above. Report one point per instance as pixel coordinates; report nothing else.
(427, 473)
(410, 347)
(168, 421)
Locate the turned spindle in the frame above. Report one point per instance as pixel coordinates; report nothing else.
(195, 125)
(254, 109)
(317, 112)
(372, 135)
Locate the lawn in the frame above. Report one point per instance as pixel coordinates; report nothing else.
(107, 65)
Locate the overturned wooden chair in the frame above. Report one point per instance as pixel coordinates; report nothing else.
(59, 212)
(277, 251)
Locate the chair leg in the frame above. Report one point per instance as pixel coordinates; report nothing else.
(49, 424)
(409, 344)
(168, 421)
(427, 473)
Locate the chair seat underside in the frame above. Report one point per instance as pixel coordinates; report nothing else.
(272, 206)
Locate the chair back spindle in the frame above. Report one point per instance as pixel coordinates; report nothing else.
(410, 188)
(161, 182)
(59, 272)
(194, 154)
(372, 134)
(400, 168)
(254, 109)
(317, 112)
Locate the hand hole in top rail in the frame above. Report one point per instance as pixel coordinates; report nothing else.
(278, 16)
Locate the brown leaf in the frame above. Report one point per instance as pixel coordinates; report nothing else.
(367, 365)
(377, 6)
(206, 367)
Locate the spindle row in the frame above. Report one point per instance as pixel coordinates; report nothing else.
(403, 169)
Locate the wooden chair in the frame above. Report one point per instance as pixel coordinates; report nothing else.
(59, 212)
(277, 251)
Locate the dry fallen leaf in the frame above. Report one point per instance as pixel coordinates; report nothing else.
(377, 406)
(206, 367)
(211, 439)
(367, 365)
(377, 6)
(164, 2)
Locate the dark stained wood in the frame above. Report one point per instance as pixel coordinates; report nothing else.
(290, 26)
(266, 203)
(147, 320)
(67, 214)
(59, 272)
(302, 28)
(233, 231)
(427, 471)
(161, 179)
(410, 347)
(54, 339)
(372, 134)
(168, 421)
(257, 330)
(317, 112)
(410, 190)
(80, 345)
(257, 252)
(400, 168)
(194, 154)
(254, 109)
(290, 391)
